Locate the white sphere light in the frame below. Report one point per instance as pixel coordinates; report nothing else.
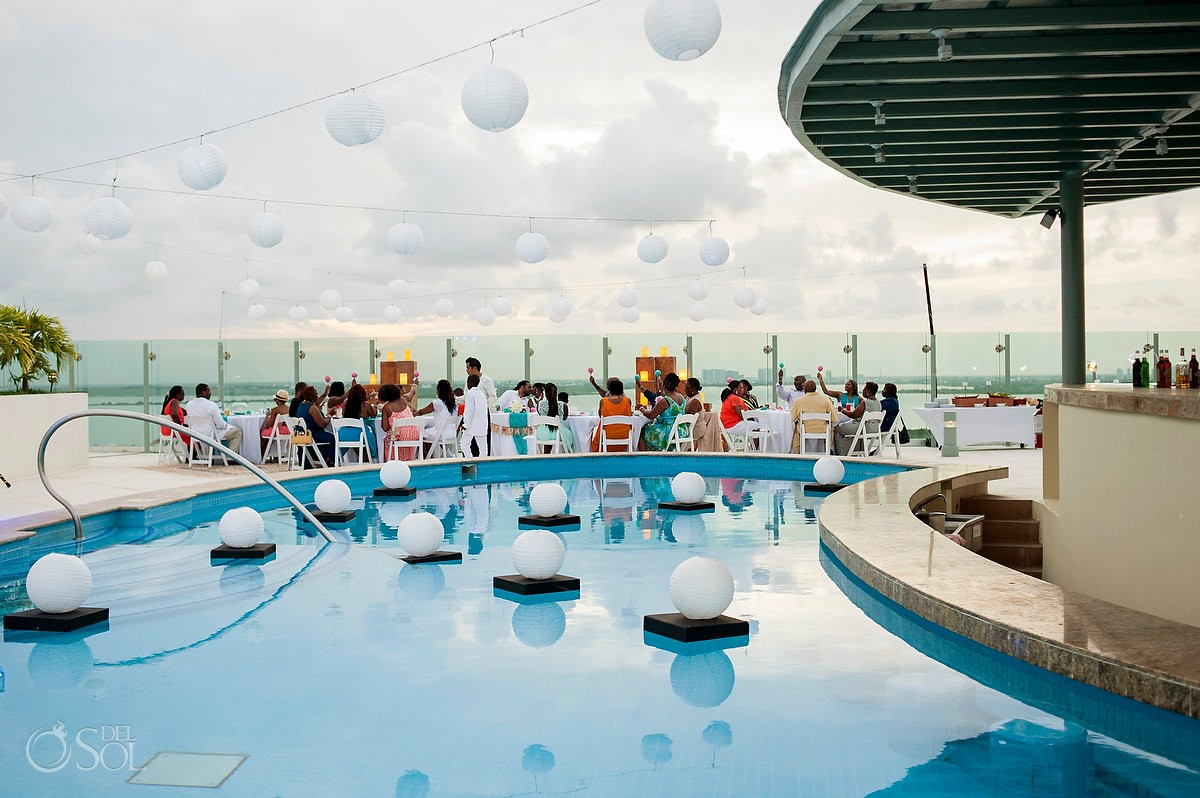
(560, 306)
(420, 534)
(88, 243)
(701, 588)
(32, 214)
(495, 98)
(653, 248)
(343, 313)
(744, 296)
(58, 583)
(298, 313)
(714, 251)
(502, 306)
(248, 288)
(256, 311)
(240, 528)
(759, 307)
(330, 299)
(202, 167)
(533, 247)
(688, 487)
(547, 499)
(392, 313)
(828, 470)
(485, 317)
(538, 554)
(395, 474)
(397, 288)
(627, 298)
(155, 271)
(107, 218)
(697, 312)
(630, 315)
(265, 229)
(680, 30)
(405, 238)
(354, 119)
(332, 496)
(443, 307)
(698, 289)
(556, 318)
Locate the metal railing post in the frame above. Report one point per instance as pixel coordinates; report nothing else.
(146, 394)
(690, 371)
(932, 367)
(604, 358)
(527, 353)
(1007, 364)
(295, 361)
(854, 357)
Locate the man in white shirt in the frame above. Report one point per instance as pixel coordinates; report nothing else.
(476, 419)
(518, 395)
(788, 395)
(203, 407)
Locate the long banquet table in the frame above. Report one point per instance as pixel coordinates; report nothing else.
(983, 424)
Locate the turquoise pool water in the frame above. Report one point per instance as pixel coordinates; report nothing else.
(339, 670)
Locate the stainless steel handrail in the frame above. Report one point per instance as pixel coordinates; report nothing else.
(165, 421)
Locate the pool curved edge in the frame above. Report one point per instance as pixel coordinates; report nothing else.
(869, 527)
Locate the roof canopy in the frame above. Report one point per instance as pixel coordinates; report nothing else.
(1028, 89)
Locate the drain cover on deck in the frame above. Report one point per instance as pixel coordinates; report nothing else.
(180, 769)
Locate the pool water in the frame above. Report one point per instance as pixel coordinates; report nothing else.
(339, 670)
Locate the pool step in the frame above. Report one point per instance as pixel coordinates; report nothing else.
(1011, 535)
(997, 508)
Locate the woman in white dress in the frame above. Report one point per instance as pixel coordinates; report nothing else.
(445, 415)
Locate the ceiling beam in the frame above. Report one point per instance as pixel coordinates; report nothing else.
(1066, 18)
(960, 70)
(988, 91)
(935, 109)
(1054, 137)
(1071, 44)
(865, 123)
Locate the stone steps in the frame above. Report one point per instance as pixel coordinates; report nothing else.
(1011, 535)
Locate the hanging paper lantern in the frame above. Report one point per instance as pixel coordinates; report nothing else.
(653, 248)
(298, 313)
(3, 206)
(155, 271)
(680, 30)
(405, 238)
(330, 299)
(627, 298)
(353, 119)
(697, 312)
(397, 288)
(630, 315)
(556, 318)
(420, 534)
(392, 313)
(829, 470)
(502, 306)
(538, 554)
(32, 214)
(744, 296)
(547, 499)
(698, 289)
(495, 98)
(533, 247)
(88, 243)
(443, 307)
(759, 307)
(266, 229)
(485, 317)
(248, 288)
(688, 487)
(395, 474)
(256, 311)
(107, 218)
(714, 251)
(332, 496)
(202, 167)
(343, 314)
(240, 528)
(701, 588)
(59, 583)
(560, 306)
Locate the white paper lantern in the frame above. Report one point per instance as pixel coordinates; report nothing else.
(701, 588)
(330, 299)
(680, 30)
(697, 312)
(395, 474)
(502, 306)
(556, 318)
(533, 247)
(256, 311)
(630, 315)
(688, 529)
(828, 470)
(343, 313)
(32, 214)
(353, 119)
(485, 317)
(392, 313)
(420, 534)
(405, 238)
(155, 271)
(266, 229)
(744, 296)
(539, 625)
(560, 306)
(248, 288)
(107, 218)
(3, 206)
(88, 243)
(688, 487)
(538, 554)
(547, 499)
(58, 583)
(240, 528)
(495, 98)
(698, 289)
(627, 298)
(443, 307)
(202, 167)
(332, 496)
(759, 307)
(397, 288)
(714, 251)
(653, 248)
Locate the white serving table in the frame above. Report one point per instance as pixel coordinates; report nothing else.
(583, 427)
(779, 423)
(983, 424)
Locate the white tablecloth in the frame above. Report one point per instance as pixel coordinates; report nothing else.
(983, 424)
(250, 426)
(780, 424)
(582, 427)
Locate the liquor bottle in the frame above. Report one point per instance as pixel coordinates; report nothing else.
(1137, 370)
(1194, 371)
(1146, 370)
(1163, 373)
(1183, 376)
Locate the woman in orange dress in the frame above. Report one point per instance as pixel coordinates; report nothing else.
(613, 402)
(173, 409)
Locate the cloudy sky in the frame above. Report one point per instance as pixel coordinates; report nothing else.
(612, 130)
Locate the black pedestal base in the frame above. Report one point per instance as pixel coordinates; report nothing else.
(816, 487)
(547, 520)
(437, 556)
(515, 583)
(38, 621)
(259, 551)
(685, 630)
(687, 507)
(337, 518)
(396, 492)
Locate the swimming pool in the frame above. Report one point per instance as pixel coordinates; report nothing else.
(338, 670)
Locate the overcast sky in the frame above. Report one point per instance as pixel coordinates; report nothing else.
(612, 130)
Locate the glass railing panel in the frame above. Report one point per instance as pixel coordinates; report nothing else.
(111, 374)
(255, 370)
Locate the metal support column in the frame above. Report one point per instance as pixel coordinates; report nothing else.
(1156, 350)
(221, 373)
(774, 360)
(528, 351)
(932, 367)
(449, 358)
(295, 361)
(1007, 364)
(71, 375)
(854, 357)
(370, 358)
(1074, 348)
(146, 394)
(604, 350)
(688, 352)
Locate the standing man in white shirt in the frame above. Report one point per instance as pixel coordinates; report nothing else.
(204, 407)
(476, 419)
(489, 391)
(788, 395)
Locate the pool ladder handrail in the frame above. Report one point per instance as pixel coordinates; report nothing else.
(937, 520)
(165, 421)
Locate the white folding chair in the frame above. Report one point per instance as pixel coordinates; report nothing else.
(279, 444)
(682, 436)
(355, 442)
(199, 452)
(304, 452)
(867, 434)
(607, 440)
(740, 441)
(555, 445)
(760, 430)
(892, 436)
(441, 444)
(417, 445)
(171, 445)
(823, 439)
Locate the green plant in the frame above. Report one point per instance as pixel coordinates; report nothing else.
(36, 343)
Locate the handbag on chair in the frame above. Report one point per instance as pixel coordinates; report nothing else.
(903, 431)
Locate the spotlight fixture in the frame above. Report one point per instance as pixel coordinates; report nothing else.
(1160, 146)
(879, 155)
(880, 116)
(1048, 218)
(1111, 156)
(912, 184)
(945, 51)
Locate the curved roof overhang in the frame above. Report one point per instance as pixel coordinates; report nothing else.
(1033, 88)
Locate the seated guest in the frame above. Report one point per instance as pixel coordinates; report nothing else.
(335, 395)
(516, 395)
(890, 404)
(787, 394)
(563, 399)
(848, 399)
(843, 433)
(733, 408)
(613, 402)
(662, 414)
(445, 416)
(310, 413)
(357, 406)
(271, 422)
(811, 401)
(203, 407)
(173, 408)
(539, 393)
(748, 396)
(707, 430)
(551, 406)
(297, 398)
